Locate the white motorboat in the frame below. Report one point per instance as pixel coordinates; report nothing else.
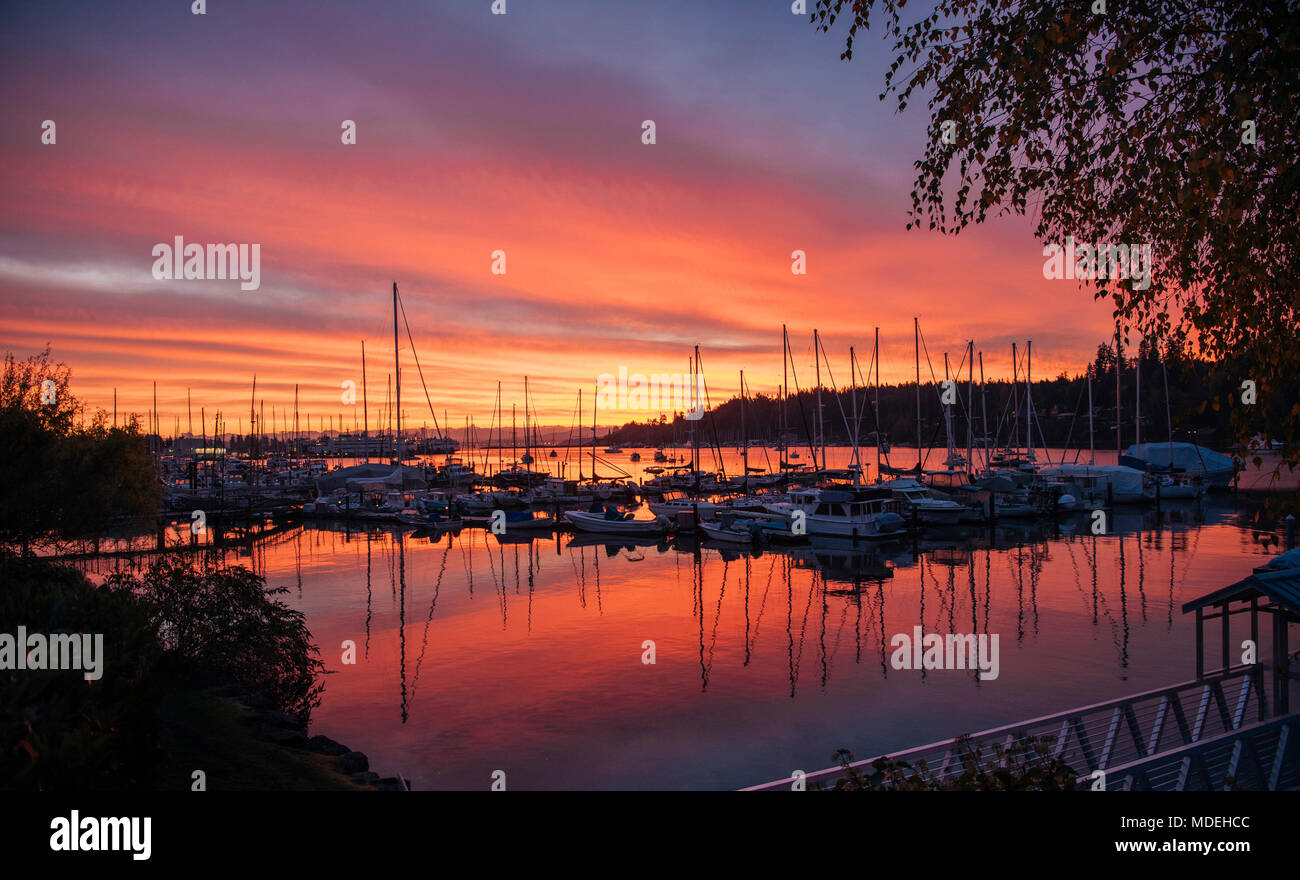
(601, 523)
(673, 503)
(856, 513)
(929, 509)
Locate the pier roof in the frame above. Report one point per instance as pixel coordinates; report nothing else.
(1279, 581)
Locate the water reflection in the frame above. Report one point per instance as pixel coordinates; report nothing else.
(766, 659)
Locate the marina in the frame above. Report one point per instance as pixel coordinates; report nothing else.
(572, 397)
(1079, 559)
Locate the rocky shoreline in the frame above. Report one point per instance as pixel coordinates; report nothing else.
(288, 731)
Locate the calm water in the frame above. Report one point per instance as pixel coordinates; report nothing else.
(475, 655)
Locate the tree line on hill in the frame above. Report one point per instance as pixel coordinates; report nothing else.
(1203, 404)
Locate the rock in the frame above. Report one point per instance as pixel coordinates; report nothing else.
(284, 736)
(280, 719)
(323, 745)
(353, 762)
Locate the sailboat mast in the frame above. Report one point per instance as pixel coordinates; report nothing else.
(365, 406)
(821, 425)
(785, 393)
(744, 448)
(947, 414)
(970, 408)
(1029, 398)
(1015, 395)
(252, 410)
(695, 438)
(853, 381)
(1169, 419)
(397, 369)
(984, 410)
(528, 454)
(916, 343)
(690, 374)
(1118, 411)
(1137, 392)
(1092, 449)
(876, 358)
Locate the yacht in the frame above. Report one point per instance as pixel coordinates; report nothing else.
(674, 502)
(930, 509)
(856, 513)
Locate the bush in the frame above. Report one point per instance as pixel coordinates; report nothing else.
(174, 627)
(223, 626)
(1026, 766)
(58, 730)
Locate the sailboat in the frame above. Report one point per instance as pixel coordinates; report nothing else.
(1181, 469)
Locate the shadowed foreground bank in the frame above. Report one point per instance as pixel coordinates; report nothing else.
(199, 670)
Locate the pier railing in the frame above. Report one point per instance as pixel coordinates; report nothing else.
(1134, 740)
(1264, 756)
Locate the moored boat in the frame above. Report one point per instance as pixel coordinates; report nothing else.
(588, 521)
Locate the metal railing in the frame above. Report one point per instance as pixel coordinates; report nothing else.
(1264, 756)
(1125, 736)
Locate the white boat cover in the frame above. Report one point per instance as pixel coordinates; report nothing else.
(1195, 460)
(392, 476)
(1125, 480)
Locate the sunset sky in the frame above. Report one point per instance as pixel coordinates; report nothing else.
(478, 132)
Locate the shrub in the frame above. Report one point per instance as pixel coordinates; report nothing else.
(58, 730)
(1027, 766)
(224, 626)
